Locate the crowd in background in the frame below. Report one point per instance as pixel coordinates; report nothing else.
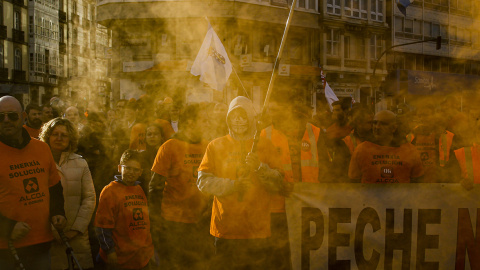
(433, 140)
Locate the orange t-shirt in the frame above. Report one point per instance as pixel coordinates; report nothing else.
(428, 151)
(166, 128)
(124, 209)
(137, 137)
(33, 132)
(233, 216)
(384, 164)
(178, 161)
(25, 177)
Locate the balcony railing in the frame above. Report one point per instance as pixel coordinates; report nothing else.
(3, 32)
(19, 75)
(3, 74)
(62, 47)
(62, 16)
(333, 62)
(355, 63)
(18, 36)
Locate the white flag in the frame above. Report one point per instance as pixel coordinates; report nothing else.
(330, 95)
(212, 63)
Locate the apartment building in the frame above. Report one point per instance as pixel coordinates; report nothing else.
(14, 49)
(43, 49)
(421, 69)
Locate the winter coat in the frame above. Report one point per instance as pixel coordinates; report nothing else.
(79, 194)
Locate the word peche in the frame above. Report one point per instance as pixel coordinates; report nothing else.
(467, 238)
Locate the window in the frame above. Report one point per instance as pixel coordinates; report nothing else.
(60, 34)
(346, 46)
(74, 7)
(32, 62)
(408, 26)
(361, 48)
(17, 60)
(398, 24)
(1, 14)
(356, 8)
(417, 27)
(435, 30)
(377, 10)
(31, 25)
(332, 42)
(376, 46)
(85, 11)
(306, 4)
(333, 7)
(17, 23)
(1, 56)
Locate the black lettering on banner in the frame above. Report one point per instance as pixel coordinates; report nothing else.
(398, 241)
(335, 239)
(424, 241)
(467, 241)
(311, 242)
(367, 216)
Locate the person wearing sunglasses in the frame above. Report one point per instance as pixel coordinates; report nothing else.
(31, 195)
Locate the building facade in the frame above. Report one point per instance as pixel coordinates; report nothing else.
(156, 42)
(14, 49)
(420, 69)
(43, 48)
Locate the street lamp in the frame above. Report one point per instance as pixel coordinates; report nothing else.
(438, 46)
(438, 40)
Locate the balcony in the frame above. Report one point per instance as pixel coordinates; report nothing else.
(18, 2)
(19, 75)
(3, 74)
(355, 63)
(18, 36)
(62, 47)
(75, 18)
(62, 16)
(3, 32)
(333, 62)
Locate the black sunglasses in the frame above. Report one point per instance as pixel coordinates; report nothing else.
(13, 116)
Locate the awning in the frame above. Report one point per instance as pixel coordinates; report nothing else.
(14, 88)
(434, 83)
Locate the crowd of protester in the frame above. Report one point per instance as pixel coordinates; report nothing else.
(159, 184)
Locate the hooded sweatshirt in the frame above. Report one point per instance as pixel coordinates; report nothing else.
(239, 215)
(246, 105)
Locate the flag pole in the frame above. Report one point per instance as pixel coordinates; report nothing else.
(274, 72)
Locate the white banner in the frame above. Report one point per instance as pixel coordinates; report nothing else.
(392, 226)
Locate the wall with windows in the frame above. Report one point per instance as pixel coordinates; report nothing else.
(43, 30)
(453, 20)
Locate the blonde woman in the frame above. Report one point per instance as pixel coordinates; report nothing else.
(78, 190)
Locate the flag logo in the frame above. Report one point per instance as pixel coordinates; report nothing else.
(30, 185)
(212, 62)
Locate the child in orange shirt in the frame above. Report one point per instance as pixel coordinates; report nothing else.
(122, 221)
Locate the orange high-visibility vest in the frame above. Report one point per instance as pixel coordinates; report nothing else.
(309, 161)
(469, 160)
(351, 141)
(308, 156)
(444, 146)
